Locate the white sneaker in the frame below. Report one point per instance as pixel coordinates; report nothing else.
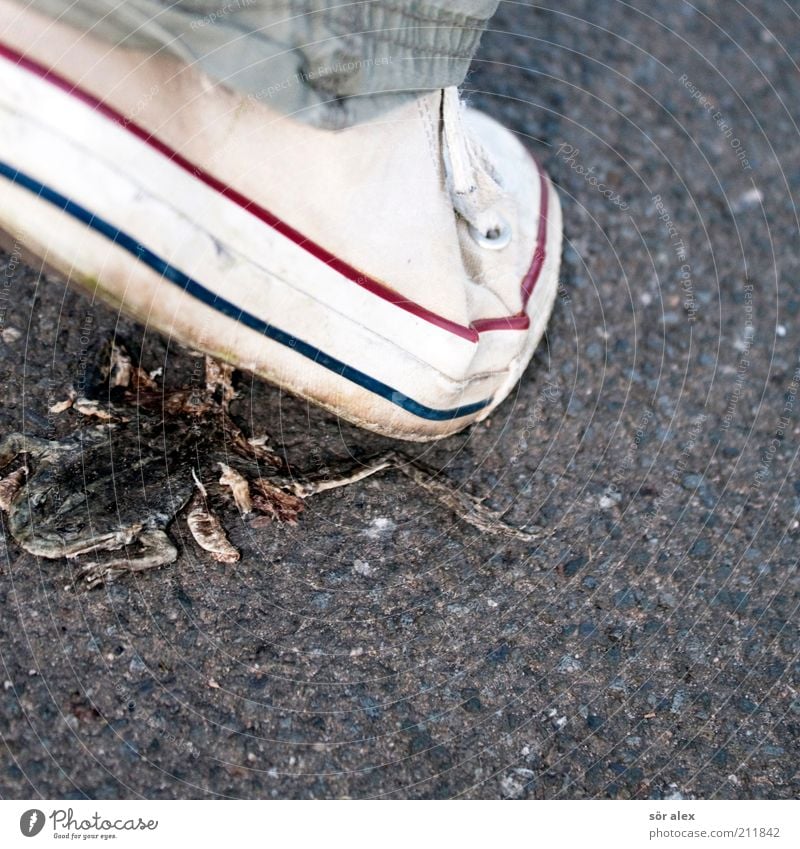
(399, 273)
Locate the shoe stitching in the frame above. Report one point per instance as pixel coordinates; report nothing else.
(430, 125)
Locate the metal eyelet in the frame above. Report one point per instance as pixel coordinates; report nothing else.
(495, 239)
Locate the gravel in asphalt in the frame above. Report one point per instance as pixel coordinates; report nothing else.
(647, 647)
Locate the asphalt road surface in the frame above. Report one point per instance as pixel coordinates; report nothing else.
(647, 647)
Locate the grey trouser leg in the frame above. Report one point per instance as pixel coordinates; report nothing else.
(331, 62)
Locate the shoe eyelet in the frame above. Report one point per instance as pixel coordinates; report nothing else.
(495, 239)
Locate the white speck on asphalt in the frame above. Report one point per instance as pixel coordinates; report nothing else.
(751, 197)
(361, 567)
(569, 664)
(379, 526)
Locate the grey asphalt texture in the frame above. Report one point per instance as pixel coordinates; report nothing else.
(646, 648)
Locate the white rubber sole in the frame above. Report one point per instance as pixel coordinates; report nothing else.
(127, 223)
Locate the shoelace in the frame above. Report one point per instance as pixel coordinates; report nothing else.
(474, 189)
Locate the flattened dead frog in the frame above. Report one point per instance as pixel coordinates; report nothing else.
(79, 498)
(106, 494)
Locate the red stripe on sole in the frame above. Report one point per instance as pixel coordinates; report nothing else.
(519, 321)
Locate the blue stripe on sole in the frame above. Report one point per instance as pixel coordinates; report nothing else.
(207, 297)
